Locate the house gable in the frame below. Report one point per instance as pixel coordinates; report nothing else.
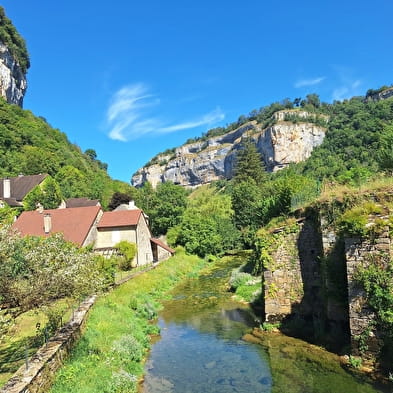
(77, 225)
(14, 189)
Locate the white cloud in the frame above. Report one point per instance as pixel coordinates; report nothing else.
(347, 90)
(309, 82)
(209, 118)
(130, 115)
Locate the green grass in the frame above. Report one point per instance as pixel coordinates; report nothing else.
(109, 357)
(23, 336)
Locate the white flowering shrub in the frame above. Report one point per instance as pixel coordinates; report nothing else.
(35, 271)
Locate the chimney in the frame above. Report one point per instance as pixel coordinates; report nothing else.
(6, 188)
(131, 205)
(47, 223)
(40, 208)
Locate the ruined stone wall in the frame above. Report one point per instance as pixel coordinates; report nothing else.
(292, 281)
(364, 337)
(38, 377)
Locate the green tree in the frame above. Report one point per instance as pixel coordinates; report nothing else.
(385, 154)
(47, 194)
(199, 235)
(73, 183)
(170, 203)
(249, 164)
(117, 199)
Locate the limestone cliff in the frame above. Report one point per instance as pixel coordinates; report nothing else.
(280, 144)
(12, 79)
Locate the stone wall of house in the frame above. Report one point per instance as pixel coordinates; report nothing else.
(92, 235)
(162, 254)
(108, 237)
(145, 253)
(361, 318)
(38, 377)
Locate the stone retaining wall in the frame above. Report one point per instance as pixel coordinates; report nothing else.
(38, 377)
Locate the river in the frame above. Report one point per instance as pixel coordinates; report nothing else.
(202, 348)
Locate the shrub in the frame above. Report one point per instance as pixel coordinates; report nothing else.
(355, 362)
(353, 223)
(128, 251)
(128, 348)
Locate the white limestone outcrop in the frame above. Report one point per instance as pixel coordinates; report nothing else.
(213, 159)
(13, 82)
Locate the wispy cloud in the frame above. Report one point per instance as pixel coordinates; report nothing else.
(210, 118)
(309, 82)
(347, 90)
(133, 112)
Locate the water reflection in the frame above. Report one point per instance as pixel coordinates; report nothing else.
(201, 351)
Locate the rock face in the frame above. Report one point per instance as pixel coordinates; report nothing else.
(382, 95)
(213, 159)
(12, 79)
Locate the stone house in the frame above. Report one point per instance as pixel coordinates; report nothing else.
(130, 225)
(14, 189)
(161, 251)
(89, 225)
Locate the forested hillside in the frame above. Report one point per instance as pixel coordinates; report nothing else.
(29, 145)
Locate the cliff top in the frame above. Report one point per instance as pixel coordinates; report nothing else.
(15, 43)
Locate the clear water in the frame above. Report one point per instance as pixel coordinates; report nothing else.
(201, 349)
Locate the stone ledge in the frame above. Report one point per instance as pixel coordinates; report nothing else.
(49, 358)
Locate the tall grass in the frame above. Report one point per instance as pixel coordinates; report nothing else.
(109, 357)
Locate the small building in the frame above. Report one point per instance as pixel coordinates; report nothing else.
(129, 225)
(14, 189)
(89, 225)
(81, 202)
(160, 250)
(78, 224)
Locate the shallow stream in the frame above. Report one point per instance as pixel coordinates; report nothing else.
(202, 349)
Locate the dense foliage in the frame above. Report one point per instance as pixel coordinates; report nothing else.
(206, 226)
(29, 145)
(36, 271)
(15, 43)
(164, 205)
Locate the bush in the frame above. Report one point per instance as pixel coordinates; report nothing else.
(128, 251)
(355, 362)
(128, 348)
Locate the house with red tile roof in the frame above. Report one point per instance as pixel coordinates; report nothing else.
(130, 225)
(78, 224)
(89, 225)
(161, 251)
(81, 202)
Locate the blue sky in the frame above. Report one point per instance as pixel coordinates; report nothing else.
(131, 79)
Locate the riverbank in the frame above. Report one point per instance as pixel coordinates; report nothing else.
(109, 357)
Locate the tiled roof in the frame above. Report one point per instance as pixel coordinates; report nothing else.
(11, 202)
(162, 245)
(121, 218)
(22, 185)
(75, 223)
(81, 202)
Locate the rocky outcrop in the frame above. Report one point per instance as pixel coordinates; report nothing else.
(204, 161)
(380, 95)
(13, 82)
